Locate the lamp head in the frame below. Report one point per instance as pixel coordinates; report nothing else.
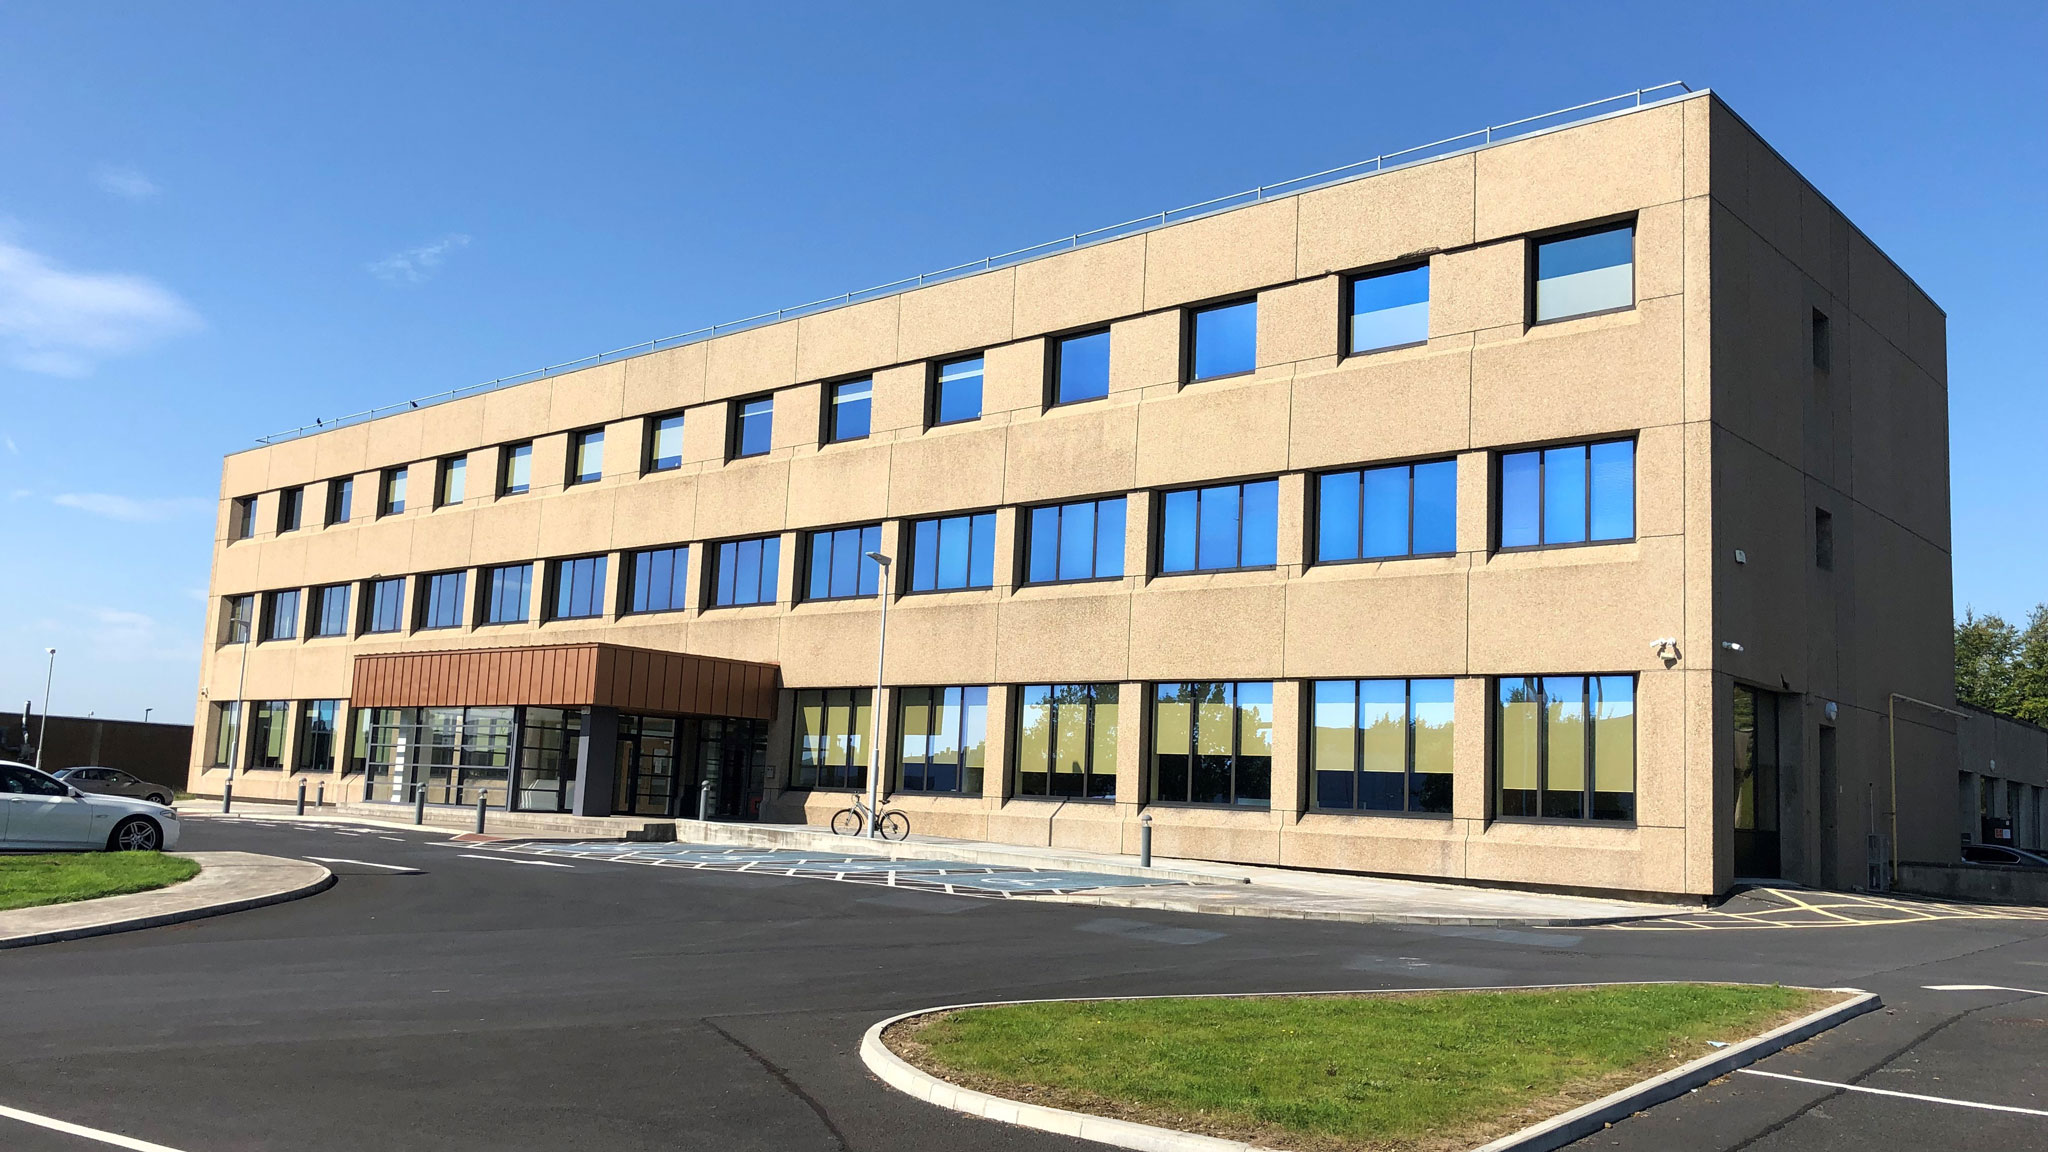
(878, 558)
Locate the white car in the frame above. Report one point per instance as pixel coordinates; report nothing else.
(40, 812)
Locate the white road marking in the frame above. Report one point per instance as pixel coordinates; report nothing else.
(1900, 1095)
(515, 860)
(395, 839)
(1980, 988)
(65, 1126)
(364, 863)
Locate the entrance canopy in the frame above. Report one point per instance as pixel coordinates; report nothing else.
(568, 676)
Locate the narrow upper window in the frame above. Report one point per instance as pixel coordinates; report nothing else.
(1219, 528)
(747, 571)
(665, 442)
(1385, 513)
(1212, 743)
(1389, 310)
(956, 391)
(943, 741)
(952, 552)
(1223, 340)
(341, 495)
(281, 615)
(1383, 745)
(1823, 540)
(586, 456)
(1066, 741)
(330, 610)
(1080, 367)
(850, 412)
(242, 518)
(1576, 494)
(831, 745)
(291, 507)
(516, 473)
(579, 588)
(658, 577)
(441, 600)
(238, 617)
(839, 565)
(1588, 273)
(1823, 354)
(1081, 541)
(753, 427)
(384, 605)
(394, 492)
(506, 591)
(1567, 747)
(454, 478)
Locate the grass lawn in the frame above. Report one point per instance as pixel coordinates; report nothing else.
(1428, 1071)
(30, 881)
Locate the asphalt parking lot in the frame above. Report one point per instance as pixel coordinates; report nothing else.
(445, 997)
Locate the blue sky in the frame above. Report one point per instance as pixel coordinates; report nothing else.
(222, 220)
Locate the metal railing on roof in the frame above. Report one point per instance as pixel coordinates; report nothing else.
(1436, 150)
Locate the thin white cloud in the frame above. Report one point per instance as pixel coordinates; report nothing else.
(61, 323)
(417, 265)
(12, 449)
(121, 636)
(126, 183)
(129, 509)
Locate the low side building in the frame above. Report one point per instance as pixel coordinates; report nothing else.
(158, 753)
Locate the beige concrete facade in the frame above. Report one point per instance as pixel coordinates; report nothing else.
(1740, 438)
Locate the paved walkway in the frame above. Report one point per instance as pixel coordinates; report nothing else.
(227, 882)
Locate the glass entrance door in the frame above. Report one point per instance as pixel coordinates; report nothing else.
(1756, 783)
(647, 766)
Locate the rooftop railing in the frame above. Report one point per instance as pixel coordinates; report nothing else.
(1478, 138)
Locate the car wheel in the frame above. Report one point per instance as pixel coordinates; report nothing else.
(136, 834)
(158, 798)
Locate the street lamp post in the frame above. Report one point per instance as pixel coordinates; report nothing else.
(875, 710)
(43, 733)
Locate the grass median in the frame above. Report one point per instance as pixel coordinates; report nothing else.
(33, 881)
(1415, 1071)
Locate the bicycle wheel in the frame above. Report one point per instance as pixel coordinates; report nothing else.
(895, 825)
(847, 822)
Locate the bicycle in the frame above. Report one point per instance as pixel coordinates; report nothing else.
(854, 822)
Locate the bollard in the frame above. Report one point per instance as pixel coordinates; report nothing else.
(302, 797)
(419, 803)
(320, 795)
(227, 796)
(483, 799)
(704, 799)
(1145, 840)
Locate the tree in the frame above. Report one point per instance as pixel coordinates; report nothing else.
(2030, 669)
(1987, 657)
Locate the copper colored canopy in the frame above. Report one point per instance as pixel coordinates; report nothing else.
(568, 676)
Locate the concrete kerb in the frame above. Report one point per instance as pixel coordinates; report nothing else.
(227, 882)
(1555, 1132)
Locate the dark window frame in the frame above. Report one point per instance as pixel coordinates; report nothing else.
(307, 739)
(650, 463)
(710, 591)
(1188, 319)
(1315, 516)
(1496, 749)
(1534, 243)
(571, 477)
(932, 390)
(600, 572)
(1346, 312)
(1150, 784)
(828, 411)
(389, 479)
(292, 500)
(1542, 505)
(1088, 772)
(909, 549)
(629, 573)
(506, 455)
(242, 518)
(808, 563)
(1053, 343)
(317, 617)
(264, 720)
(367, 606)
(855, 765)
(935, 701)
(423, 610)
(444, 470)
(1158, 557)
(1408, 772)
(267, 632)
(487, 595)
(236, 625)
(341, 497)
(1027, 517)
(736, 426)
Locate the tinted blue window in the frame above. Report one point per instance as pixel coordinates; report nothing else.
(586, 456)
(1614, 490)
(394, 491)
(1222, 527)
(330, 610)
(953, 552)
(1436, 507)
(1337, 517)
(753, 428)
(1080, 541)
(959, 391)
(341, 494)
(284, 616)
(579, 588)
(444, 600)
(1564, 495)
(659, 575)
(1521, 500)
(851, 408)
(1390, 310)
(506, 594)
(1582, 274)
(1226, 340)
(839, 564)
(386, 605)
(1570, 495)
(1177, 535)
(1081, 368)
(1385, 497)
(1383, 513)
(665, 446)
(746, 571)
(518, 468)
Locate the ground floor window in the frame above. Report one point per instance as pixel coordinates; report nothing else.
(453, 755)
(1383, 745)
(944, 739)
(227, 726)
(1212, 743)
(831, 738)
(270, 720)
(550, 742)
(1566, 747)
(316, 735)
(1066, 741)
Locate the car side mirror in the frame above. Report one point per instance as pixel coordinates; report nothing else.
(76, 794)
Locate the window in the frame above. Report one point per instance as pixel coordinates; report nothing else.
(316, 735)
(831, 738)
(281, 615)
(579, 588)
(1385, 513)
(238, 616)
(1823, 540)
(341, 494)
(1388, 310)
(1551, 729)
(658, 576)
(956, 391)
(454, 476)
(227, 730)
(384, 605)
(1083, 541)
(330, 610)
(586, 456)
(953, 552)
(394, 492)
(506, 591)
(746, 571)
(291, 507)
(1212, 743)
(753, 427)
(944, 741)
(242, 518)
(1080, 367)
(1220, 528)
(1576, 494)
(839, 565)
(1584, 274)
(441, 600)
(850, 412)
(1066, 741)
(1223, 340)
(268, 723)
(665, 443)
(1383, 745)
(516, 470)
(1823, 353)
